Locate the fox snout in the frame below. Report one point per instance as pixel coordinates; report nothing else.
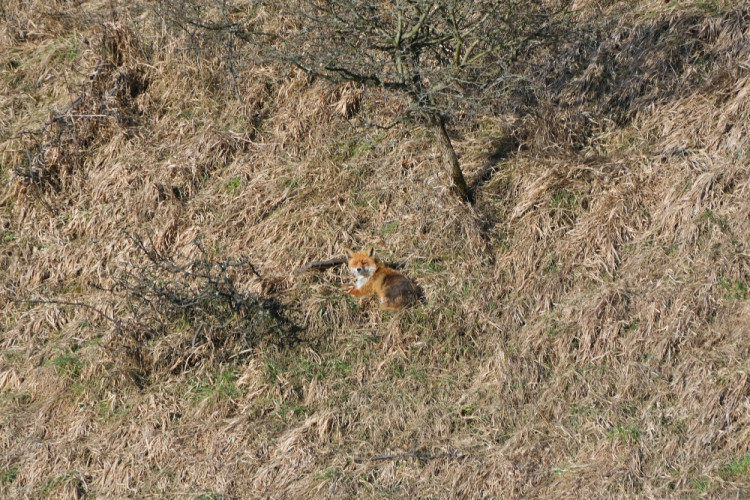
(362, 270)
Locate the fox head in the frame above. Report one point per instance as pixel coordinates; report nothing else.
(362, 264)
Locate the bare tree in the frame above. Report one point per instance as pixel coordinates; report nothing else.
(443, 55)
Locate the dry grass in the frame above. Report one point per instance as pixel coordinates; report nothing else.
(584, 330)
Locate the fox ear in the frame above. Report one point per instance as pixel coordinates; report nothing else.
(349, 252)
(371, 251)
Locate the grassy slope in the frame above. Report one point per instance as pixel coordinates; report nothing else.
(585, 325)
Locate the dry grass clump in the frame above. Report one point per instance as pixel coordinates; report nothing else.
(582, 330)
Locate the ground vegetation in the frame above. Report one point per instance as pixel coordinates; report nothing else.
(584, 325)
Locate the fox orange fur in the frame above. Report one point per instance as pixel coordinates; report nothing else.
(375, 278)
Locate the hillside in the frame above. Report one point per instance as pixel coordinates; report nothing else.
(585, 328)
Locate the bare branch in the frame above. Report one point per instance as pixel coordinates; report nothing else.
(101, 313)
(422, 456)
(321, 264)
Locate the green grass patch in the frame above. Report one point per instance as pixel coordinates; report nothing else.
(67, 364)
(13, 356)
(700, 484)
(109, 411)
(220, 386)
(633, 325)
(364, 198)
(9, 475)
(327, 369)
(390, 227)
(16, 397)
(354, 148)
(292, 410)
(417, 374)
(210, 495)
(555, 327)
(711, 8)
(503, 240)
(273, 369)
(432, 266)
(327, 474)
(564, 199)
(739, 467)
(61, 480)
(233, 186)
(564, 469)
(67, 53)
(291, 182)
(186, 115)
(629, 434)
(734, 289)
(722, 221)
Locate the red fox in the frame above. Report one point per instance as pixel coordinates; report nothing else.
(375, 278)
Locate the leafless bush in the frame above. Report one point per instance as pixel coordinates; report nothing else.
(184, 311)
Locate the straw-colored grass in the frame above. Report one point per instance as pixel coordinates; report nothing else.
(584, 329)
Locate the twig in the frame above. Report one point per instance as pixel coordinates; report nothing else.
(422, 456)
(197, 332)
(321, 264)
(104, 315)
(61, 117)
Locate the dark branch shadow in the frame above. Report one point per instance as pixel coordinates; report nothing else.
(502, 148)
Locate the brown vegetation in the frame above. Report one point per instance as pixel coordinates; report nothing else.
(585, 325)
